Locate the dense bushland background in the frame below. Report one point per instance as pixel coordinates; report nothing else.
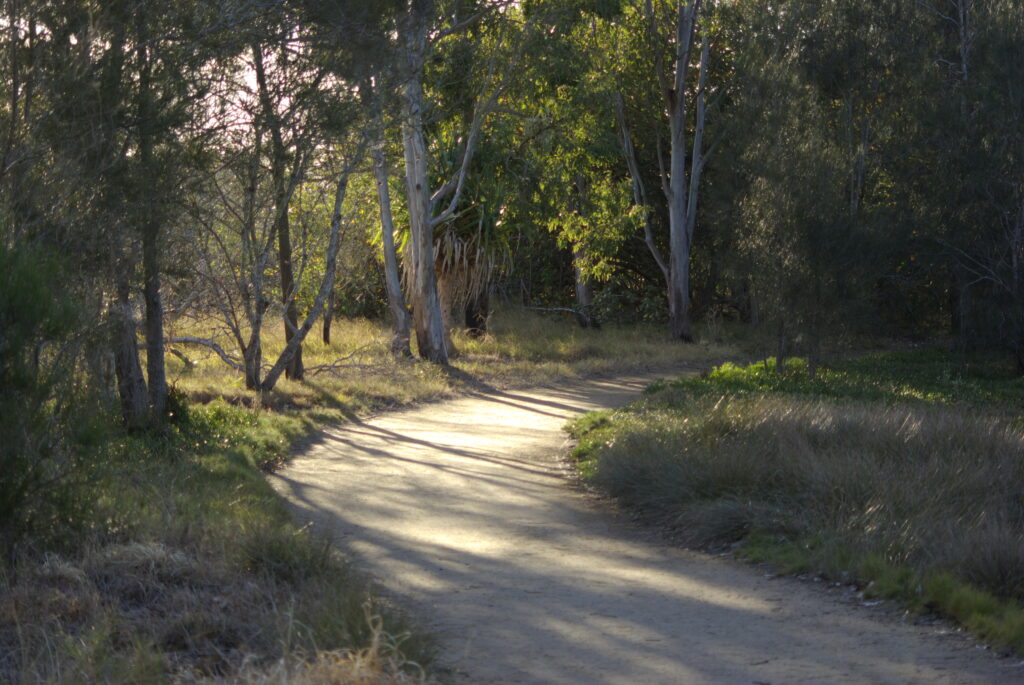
(223, 223)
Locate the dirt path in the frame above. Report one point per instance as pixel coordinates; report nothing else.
(463, 511)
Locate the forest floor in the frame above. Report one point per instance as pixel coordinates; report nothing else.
(466, 512)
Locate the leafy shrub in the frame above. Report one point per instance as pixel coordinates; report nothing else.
(34, 462)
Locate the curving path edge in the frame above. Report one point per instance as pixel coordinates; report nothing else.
(465, 511)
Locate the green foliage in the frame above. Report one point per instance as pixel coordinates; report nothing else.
(932, 376)
(35, 465)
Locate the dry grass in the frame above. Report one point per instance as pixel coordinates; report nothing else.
(150, 613)
(901, 481)
(919, 502)
(364, 376)
(522, 348)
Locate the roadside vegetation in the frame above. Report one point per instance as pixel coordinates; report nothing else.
(166, 557)
(174, 560)
(901, 472)
(357, 373)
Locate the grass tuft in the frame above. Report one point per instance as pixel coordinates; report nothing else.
(903, 472)
(191, 567)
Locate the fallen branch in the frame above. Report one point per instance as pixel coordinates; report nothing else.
(567, 310)
(227, 358)
(181, 355)
(339, 363)
(583, 315)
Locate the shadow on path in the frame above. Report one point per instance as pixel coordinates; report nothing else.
(462, 511)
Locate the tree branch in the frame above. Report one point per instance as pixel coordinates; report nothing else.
(227, 358)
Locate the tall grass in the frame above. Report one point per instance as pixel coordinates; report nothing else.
(521, 348)
(191, 568)
(919, 501)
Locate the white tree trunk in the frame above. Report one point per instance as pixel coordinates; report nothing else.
(678, 186)
(392, 280)
(426, 308)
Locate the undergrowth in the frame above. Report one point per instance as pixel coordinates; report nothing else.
(178, 562)
(902, 472)
(188, 568)
(356, 372)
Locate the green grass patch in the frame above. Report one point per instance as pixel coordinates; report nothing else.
(930, 376)
(189, 564)
(902, 472)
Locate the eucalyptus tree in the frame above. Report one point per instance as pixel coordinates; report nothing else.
(567, 132)
(374, 99)
(668, 37)
(289, 123)
(423, 27)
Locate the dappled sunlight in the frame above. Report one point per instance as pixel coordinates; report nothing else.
(462, 511)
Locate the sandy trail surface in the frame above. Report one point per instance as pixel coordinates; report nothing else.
(465, 511)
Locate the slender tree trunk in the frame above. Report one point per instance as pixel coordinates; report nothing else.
(426, 307)
(295, 369)
(679, 191)
(679, 244)
(329, 317)
(393, 282)
(253, 364)
(584, 294)
(252, 353)
(131, 385)
(155, 368)
(639, 189)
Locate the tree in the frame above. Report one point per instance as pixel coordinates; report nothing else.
(674, 33)
(417, 37)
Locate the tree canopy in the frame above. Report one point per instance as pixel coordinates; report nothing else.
(812, 169)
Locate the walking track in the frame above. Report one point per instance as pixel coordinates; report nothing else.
(465, 512)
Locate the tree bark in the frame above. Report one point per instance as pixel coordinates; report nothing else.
(584, 294)
(426, 307)
(131, 385)
(393, 282)
(295, 369)
(681, 191)
(155, 367)
(328, 317)
(156, 370)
